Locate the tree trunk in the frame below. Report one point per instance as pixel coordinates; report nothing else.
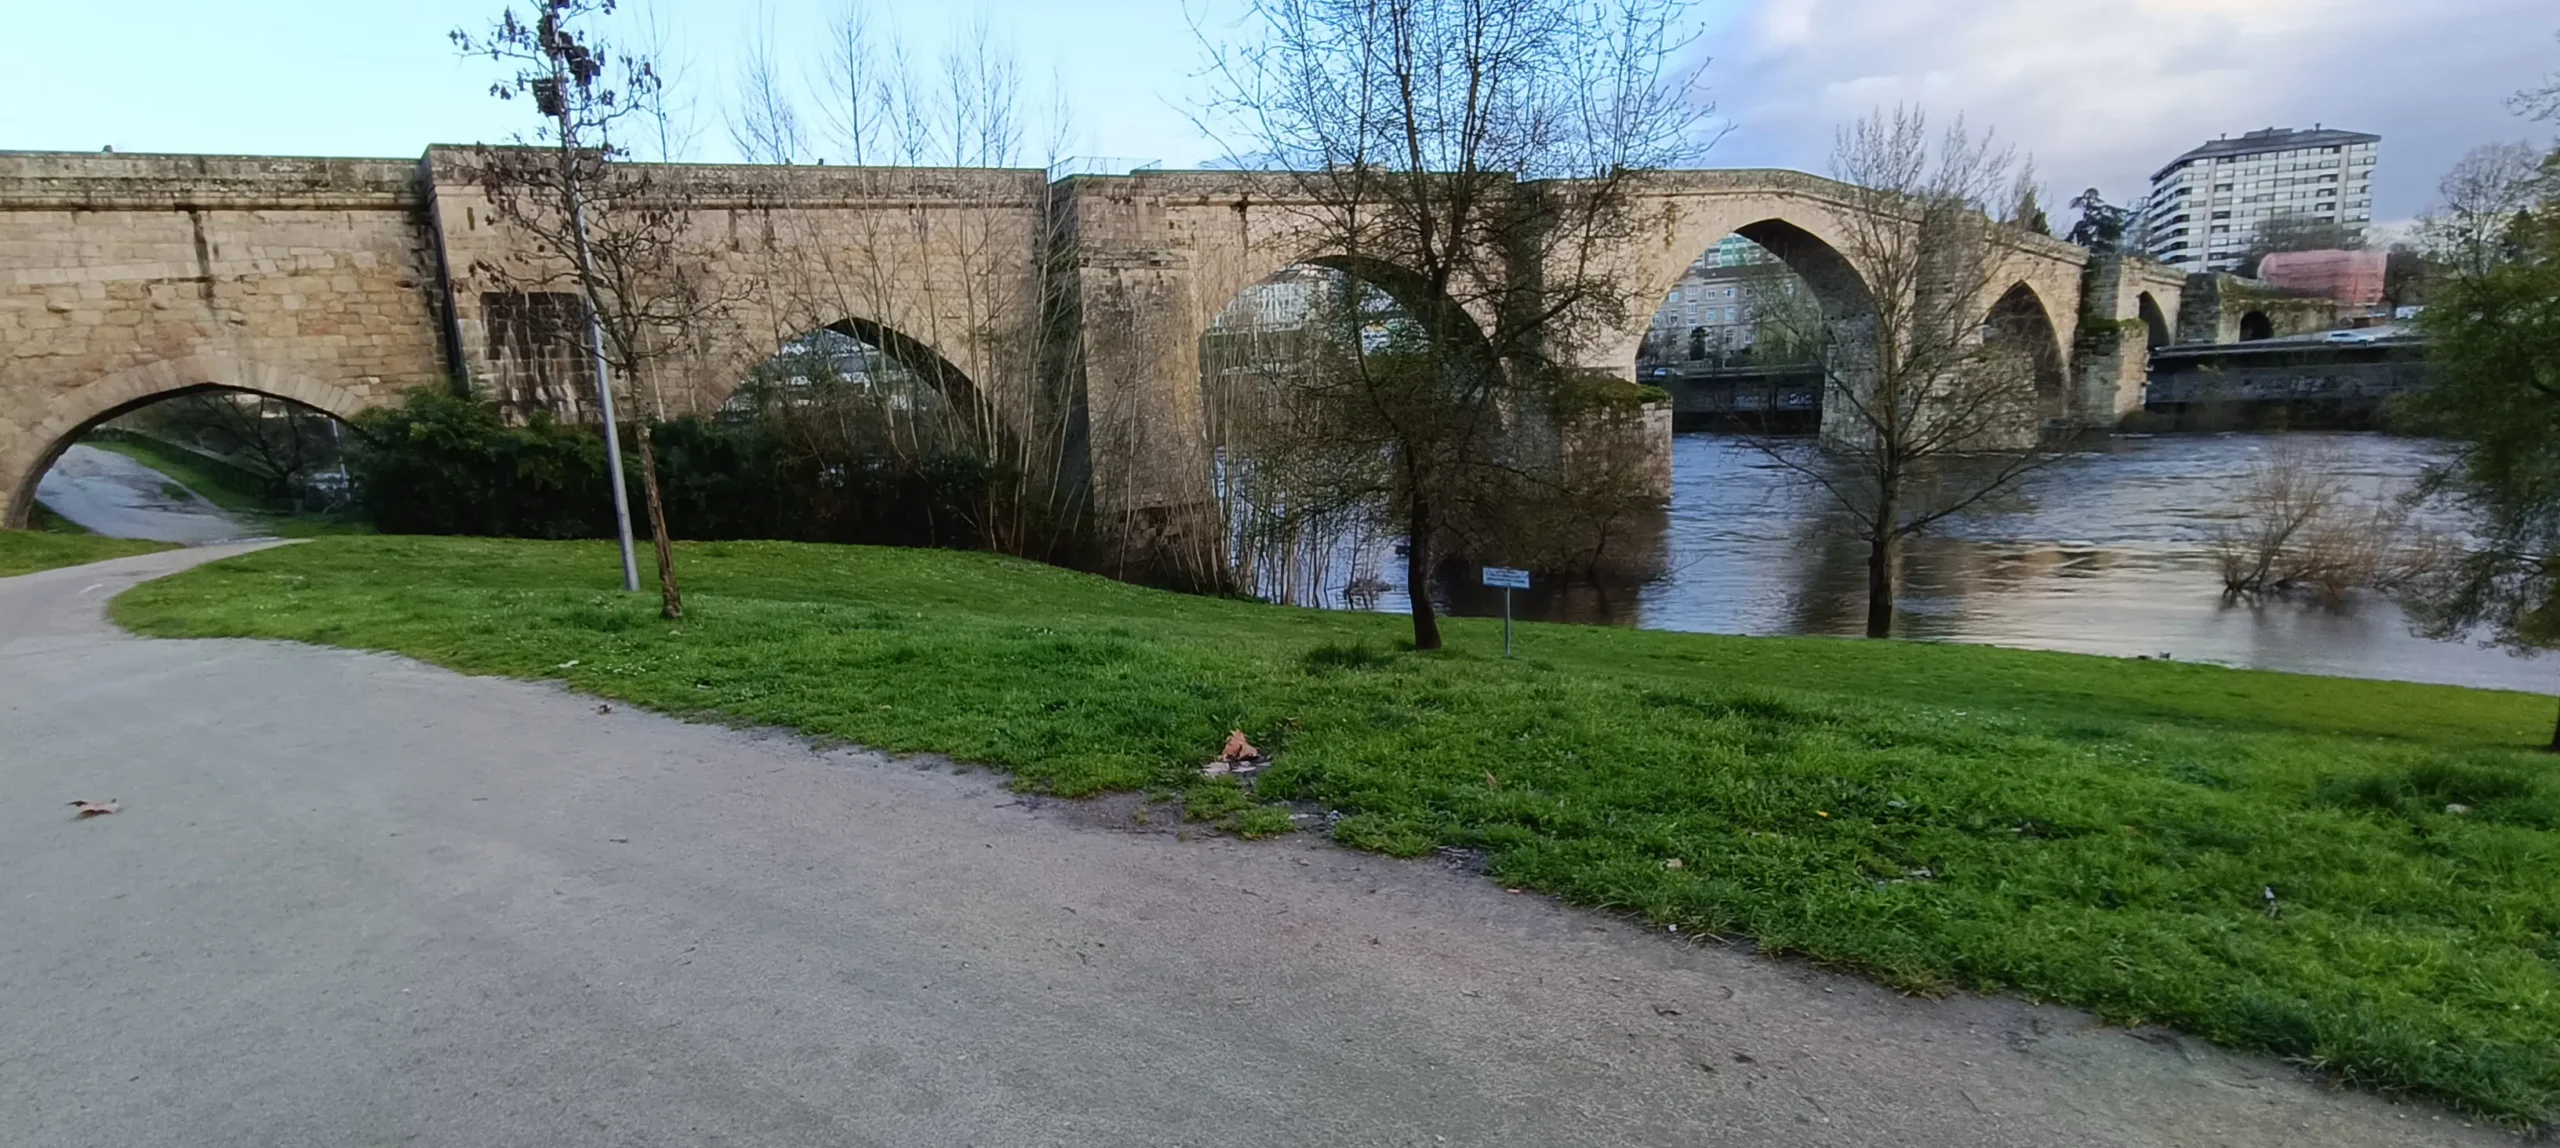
(1880, 584)
(2555, 737)
(670, 600)
(1880, 547)
(1417, 576)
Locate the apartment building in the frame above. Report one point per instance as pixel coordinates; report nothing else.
(2205, 207)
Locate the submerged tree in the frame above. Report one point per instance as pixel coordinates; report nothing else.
(609, 229)
(1931, 403)
(1418, 132)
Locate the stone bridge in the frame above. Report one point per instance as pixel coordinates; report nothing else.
(342, 283)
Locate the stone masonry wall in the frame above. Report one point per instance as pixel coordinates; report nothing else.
(125, 278)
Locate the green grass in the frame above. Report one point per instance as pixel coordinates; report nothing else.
(236, 491)
(2083, 830)
(53, 541)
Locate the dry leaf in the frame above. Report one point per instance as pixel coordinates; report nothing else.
(95, 808)
(1490, 781)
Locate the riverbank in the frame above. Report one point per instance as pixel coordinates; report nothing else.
(2091, 831)
(51, 543)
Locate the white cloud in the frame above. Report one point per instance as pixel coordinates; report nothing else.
(2103, 92)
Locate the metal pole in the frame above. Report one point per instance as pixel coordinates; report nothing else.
(1506, 621)
(595, 337)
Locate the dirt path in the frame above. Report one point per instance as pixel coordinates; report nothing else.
(354, 899)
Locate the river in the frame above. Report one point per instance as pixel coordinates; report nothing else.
(2107, 551)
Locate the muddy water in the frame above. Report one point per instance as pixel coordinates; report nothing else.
(2106, 552)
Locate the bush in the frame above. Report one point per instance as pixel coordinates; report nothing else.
(442, 463)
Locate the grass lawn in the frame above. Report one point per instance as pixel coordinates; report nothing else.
(236, 491)
(53, 541)
(2083, 830)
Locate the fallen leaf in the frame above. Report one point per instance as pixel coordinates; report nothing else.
(96, 808)
(1490, 781)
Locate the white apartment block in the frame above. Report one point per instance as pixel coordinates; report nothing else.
(2206, 206)
(1711, 305)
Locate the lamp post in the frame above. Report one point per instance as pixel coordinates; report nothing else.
(552, 99)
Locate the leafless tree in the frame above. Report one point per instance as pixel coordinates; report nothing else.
(1931, 403)
(2541, 101)
(2298, 525)
(2481, 199)
(764, 123)
(1433, 139)
(275, 441)
(612, 231)
(881, 108)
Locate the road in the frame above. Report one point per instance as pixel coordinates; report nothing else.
(355, 900)
(113, 495)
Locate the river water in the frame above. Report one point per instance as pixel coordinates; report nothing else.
(2105, 552)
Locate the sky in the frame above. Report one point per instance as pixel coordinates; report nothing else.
(2099, 92)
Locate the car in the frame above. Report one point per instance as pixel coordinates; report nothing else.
(2351, 336)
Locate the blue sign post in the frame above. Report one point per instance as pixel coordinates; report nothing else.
(1510, 580)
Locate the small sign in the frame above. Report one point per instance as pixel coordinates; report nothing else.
(1506, 577)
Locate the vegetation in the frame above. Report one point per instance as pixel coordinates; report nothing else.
(271, 448)
(1936, 405)
(2298, 526)
(2494, 342)
(1410, 130)
(642, 290)
(800, 465)
(55, 542)
(2084, 830)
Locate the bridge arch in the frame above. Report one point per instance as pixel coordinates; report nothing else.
(1800, 230)
(893, 346)
(2155, 323)
(2021, 319)
(2256, 326)
(73, 413)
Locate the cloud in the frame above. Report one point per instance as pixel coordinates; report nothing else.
(2104, 92)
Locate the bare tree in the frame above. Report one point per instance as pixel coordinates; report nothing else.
(1931, 402)
(619, 229)
(2481, 198)
(2540, 102)
(906, 405)
(764, 124)
(1425, 134)
(278, 442)
(2298, 525)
